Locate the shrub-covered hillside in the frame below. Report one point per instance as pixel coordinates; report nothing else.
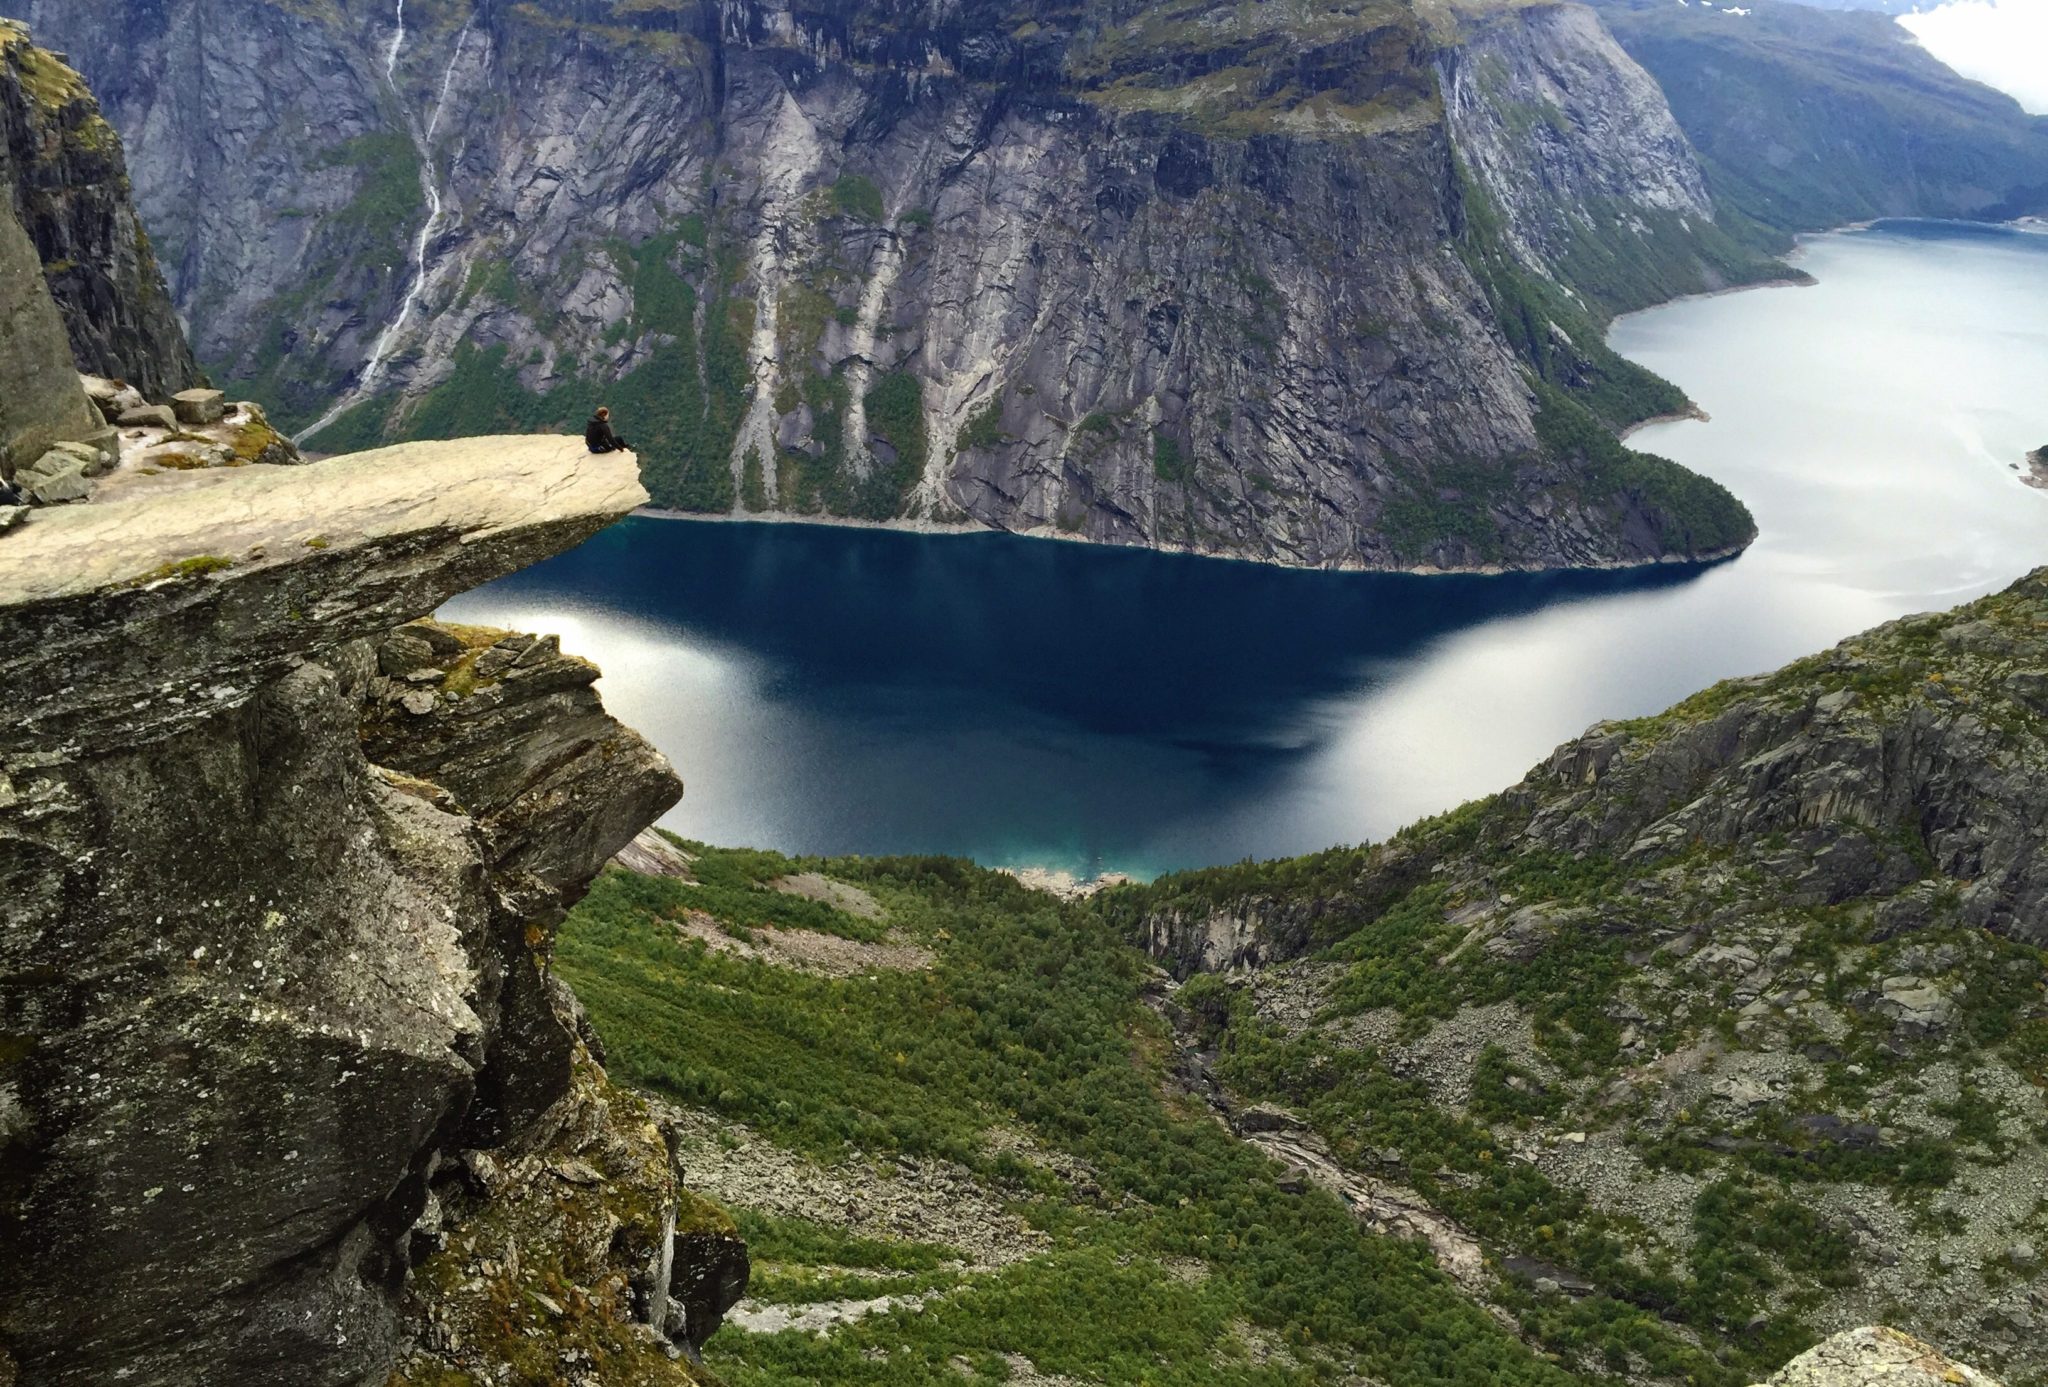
(1723, 1031)
(1733, 1015)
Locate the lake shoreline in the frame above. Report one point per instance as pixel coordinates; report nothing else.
(1692, 412)
(1794, 278)
(1084, 712)
(1703, 560)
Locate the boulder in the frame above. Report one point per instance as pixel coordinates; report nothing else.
(93, 458)
(148, 417)
(1915, 1004)
(1268, 1117)
(199, 407)
(258, 440)
(112, 398)
(10, 516)
(402, 652)
(653, 855)
(1877, 1357)
(54, 478)
(102, 391)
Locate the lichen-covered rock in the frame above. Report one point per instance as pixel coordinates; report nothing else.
(62, 168)
(263, 996)
(570, 1256)
(239, 435)
(1877, 1357)
(55, 477)
(199, 406)
(93, 458)
(147, 416)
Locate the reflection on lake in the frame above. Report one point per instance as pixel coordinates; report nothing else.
(830, 689)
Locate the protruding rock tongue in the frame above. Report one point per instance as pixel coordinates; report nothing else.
(124, 620)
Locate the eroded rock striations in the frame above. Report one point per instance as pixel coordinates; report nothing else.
(286, 1092)
(1313, 285)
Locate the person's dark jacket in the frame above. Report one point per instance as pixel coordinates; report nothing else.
(600, 437)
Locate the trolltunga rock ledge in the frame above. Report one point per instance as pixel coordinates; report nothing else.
(279, 880)
(215, 579)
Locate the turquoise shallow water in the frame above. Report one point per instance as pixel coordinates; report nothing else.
(1023, 702)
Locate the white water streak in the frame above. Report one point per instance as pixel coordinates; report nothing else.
(397, 42)
(430, 189)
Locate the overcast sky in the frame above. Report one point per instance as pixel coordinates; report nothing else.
(2000, 42)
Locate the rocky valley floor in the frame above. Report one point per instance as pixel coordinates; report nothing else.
(973, 1135)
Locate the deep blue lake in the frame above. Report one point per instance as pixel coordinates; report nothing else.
(1032, 703)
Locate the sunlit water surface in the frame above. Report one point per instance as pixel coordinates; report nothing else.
(1024, 702)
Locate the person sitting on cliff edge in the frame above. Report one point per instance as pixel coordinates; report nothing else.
(599, 435)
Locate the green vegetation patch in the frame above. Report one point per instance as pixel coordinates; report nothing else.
(1030, 1020)
(857, 195)
(196, 567)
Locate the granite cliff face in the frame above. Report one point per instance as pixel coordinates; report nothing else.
(280, 879)
(1733, 1015)
(287, 1088)
(1183, 276)
(63, 165)
(44, 403)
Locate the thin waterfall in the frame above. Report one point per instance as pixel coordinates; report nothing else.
(397, 42)
(430, 190)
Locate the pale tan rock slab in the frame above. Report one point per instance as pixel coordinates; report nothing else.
(1877, 1356)
(129, 616)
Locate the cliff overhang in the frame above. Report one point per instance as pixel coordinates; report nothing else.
(279, 880)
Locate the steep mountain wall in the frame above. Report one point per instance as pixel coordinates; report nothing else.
(1186, 276)
(1596, 185)
(63, 166)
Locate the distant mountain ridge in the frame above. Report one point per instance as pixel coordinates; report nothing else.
(1322, 285)
(1806, 119)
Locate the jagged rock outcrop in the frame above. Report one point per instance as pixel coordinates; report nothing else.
(1753, 978)
(1203, 281)
(62, 166)
(1877, 1357)
(275, 1023)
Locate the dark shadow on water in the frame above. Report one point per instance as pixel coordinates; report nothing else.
(1208, 655)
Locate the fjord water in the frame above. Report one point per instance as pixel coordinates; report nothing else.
(1024, 702)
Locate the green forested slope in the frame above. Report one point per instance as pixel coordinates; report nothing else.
(1806, 119)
